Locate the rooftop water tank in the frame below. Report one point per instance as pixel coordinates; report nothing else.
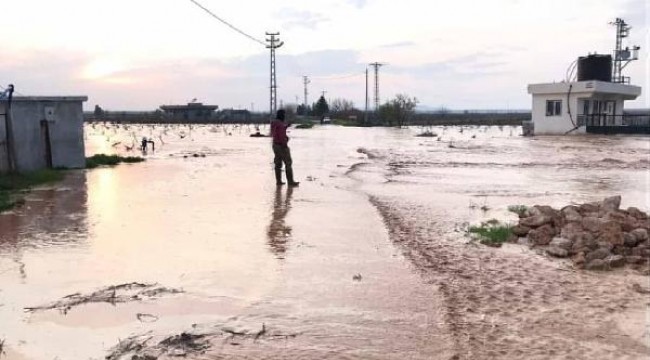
(595, 67)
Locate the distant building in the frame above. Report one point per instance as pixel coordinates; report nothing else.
(190, 112)
(234, 116)
(39, 132)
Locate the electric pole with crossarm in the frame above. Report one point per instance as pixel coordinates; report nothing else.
(273, 43)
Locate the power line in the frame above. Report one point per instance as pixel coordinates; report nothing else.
(227, 23)
(337, 77)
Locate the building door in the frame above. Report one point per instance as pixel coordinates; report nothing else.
(47, 145)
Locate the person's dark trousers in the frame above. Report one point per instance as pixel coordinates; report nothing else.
(282, 155)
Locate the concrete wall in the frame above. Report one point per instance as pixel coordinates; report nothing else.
(32, 117)
(551, 125)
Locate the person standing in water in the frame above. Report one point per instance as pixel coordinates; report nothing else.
(281, 149)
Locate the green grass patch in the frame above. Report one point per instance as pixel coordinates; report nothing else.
(110, 160)
(13, 185)
(492, 232)
(518, 209)
(305, 126)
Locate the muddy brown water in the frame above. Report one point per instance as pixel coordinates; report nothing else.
(367, 259)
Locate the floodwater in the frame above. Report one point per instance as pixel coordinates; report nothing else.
(367, 259)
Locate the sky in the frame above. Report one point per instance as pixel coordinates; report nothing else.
(461, 54)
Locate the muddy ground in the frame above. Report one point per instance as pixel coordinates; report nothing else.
(202, 257)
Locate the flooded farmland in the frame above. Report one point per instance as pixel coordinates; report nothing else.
(197, 253)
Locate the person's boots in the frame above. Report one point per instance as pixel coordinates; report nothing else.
(289, 172)
(278, 177)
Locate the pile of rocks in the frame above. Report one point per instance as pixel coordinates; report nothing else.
(597, 236)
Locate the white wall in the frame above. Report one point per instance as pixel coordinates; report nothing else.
(556, 125)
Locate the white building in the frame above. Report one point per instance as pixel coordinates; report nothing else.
(560, 108)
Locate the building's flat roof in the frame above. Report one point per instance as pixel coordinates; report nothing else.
(48, 98)
(189, 106)
(586, 87)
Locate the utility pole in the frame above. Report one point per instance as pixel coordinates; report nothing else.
(305, 82)
(273, 43)
(365, 113)
(377, 65)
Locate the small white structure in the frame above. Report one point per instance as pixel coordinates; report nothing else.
(593, 101)
(559, 108)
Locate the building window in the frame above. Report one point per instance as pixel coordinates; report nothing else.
(553, 107)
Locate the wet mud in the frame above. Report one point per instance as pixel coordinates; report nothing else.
(368, 259)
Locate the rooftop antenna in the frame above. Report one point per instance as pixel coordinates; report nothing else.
(622, 57)
(273, 43)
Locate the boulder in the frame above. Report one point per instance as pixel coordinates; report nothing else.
(611, 232)
(572, 231)
(611, 203)
(636, 213)
(591, 223)
(571, 214)
(584, 245)
(634, 259)
(579, 260)
(536, 221)
(640, 235)
(520, 230)
(616, 261)
(605, 245)
(588, 208)
(621, 250)
(619, 216)
(542, 235)
(544, 210)
(562, 243)
(557, 252)
(629, 240)
(630, 223)
(597, 264)
(600, 253)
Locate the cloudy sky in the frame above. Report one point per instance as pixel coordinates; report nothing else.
(460, 54)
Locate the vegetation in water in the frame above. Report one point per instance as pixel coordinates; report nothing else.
(492, 232)
(110, 160)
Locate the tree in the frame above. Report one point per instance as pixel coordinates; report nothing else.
(341, 106)
(399, 110)
(99, 112)
(321, 108)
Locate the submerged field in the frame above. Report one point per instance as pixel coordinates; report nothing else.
(195, 252)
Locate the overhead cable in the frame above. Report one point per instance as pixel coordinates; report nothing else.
(227, 23)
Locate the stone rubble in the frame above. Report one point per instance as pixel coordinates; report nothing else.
(596, 236)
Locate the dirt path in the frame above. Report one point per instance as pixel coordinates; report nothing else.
(518, 305)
